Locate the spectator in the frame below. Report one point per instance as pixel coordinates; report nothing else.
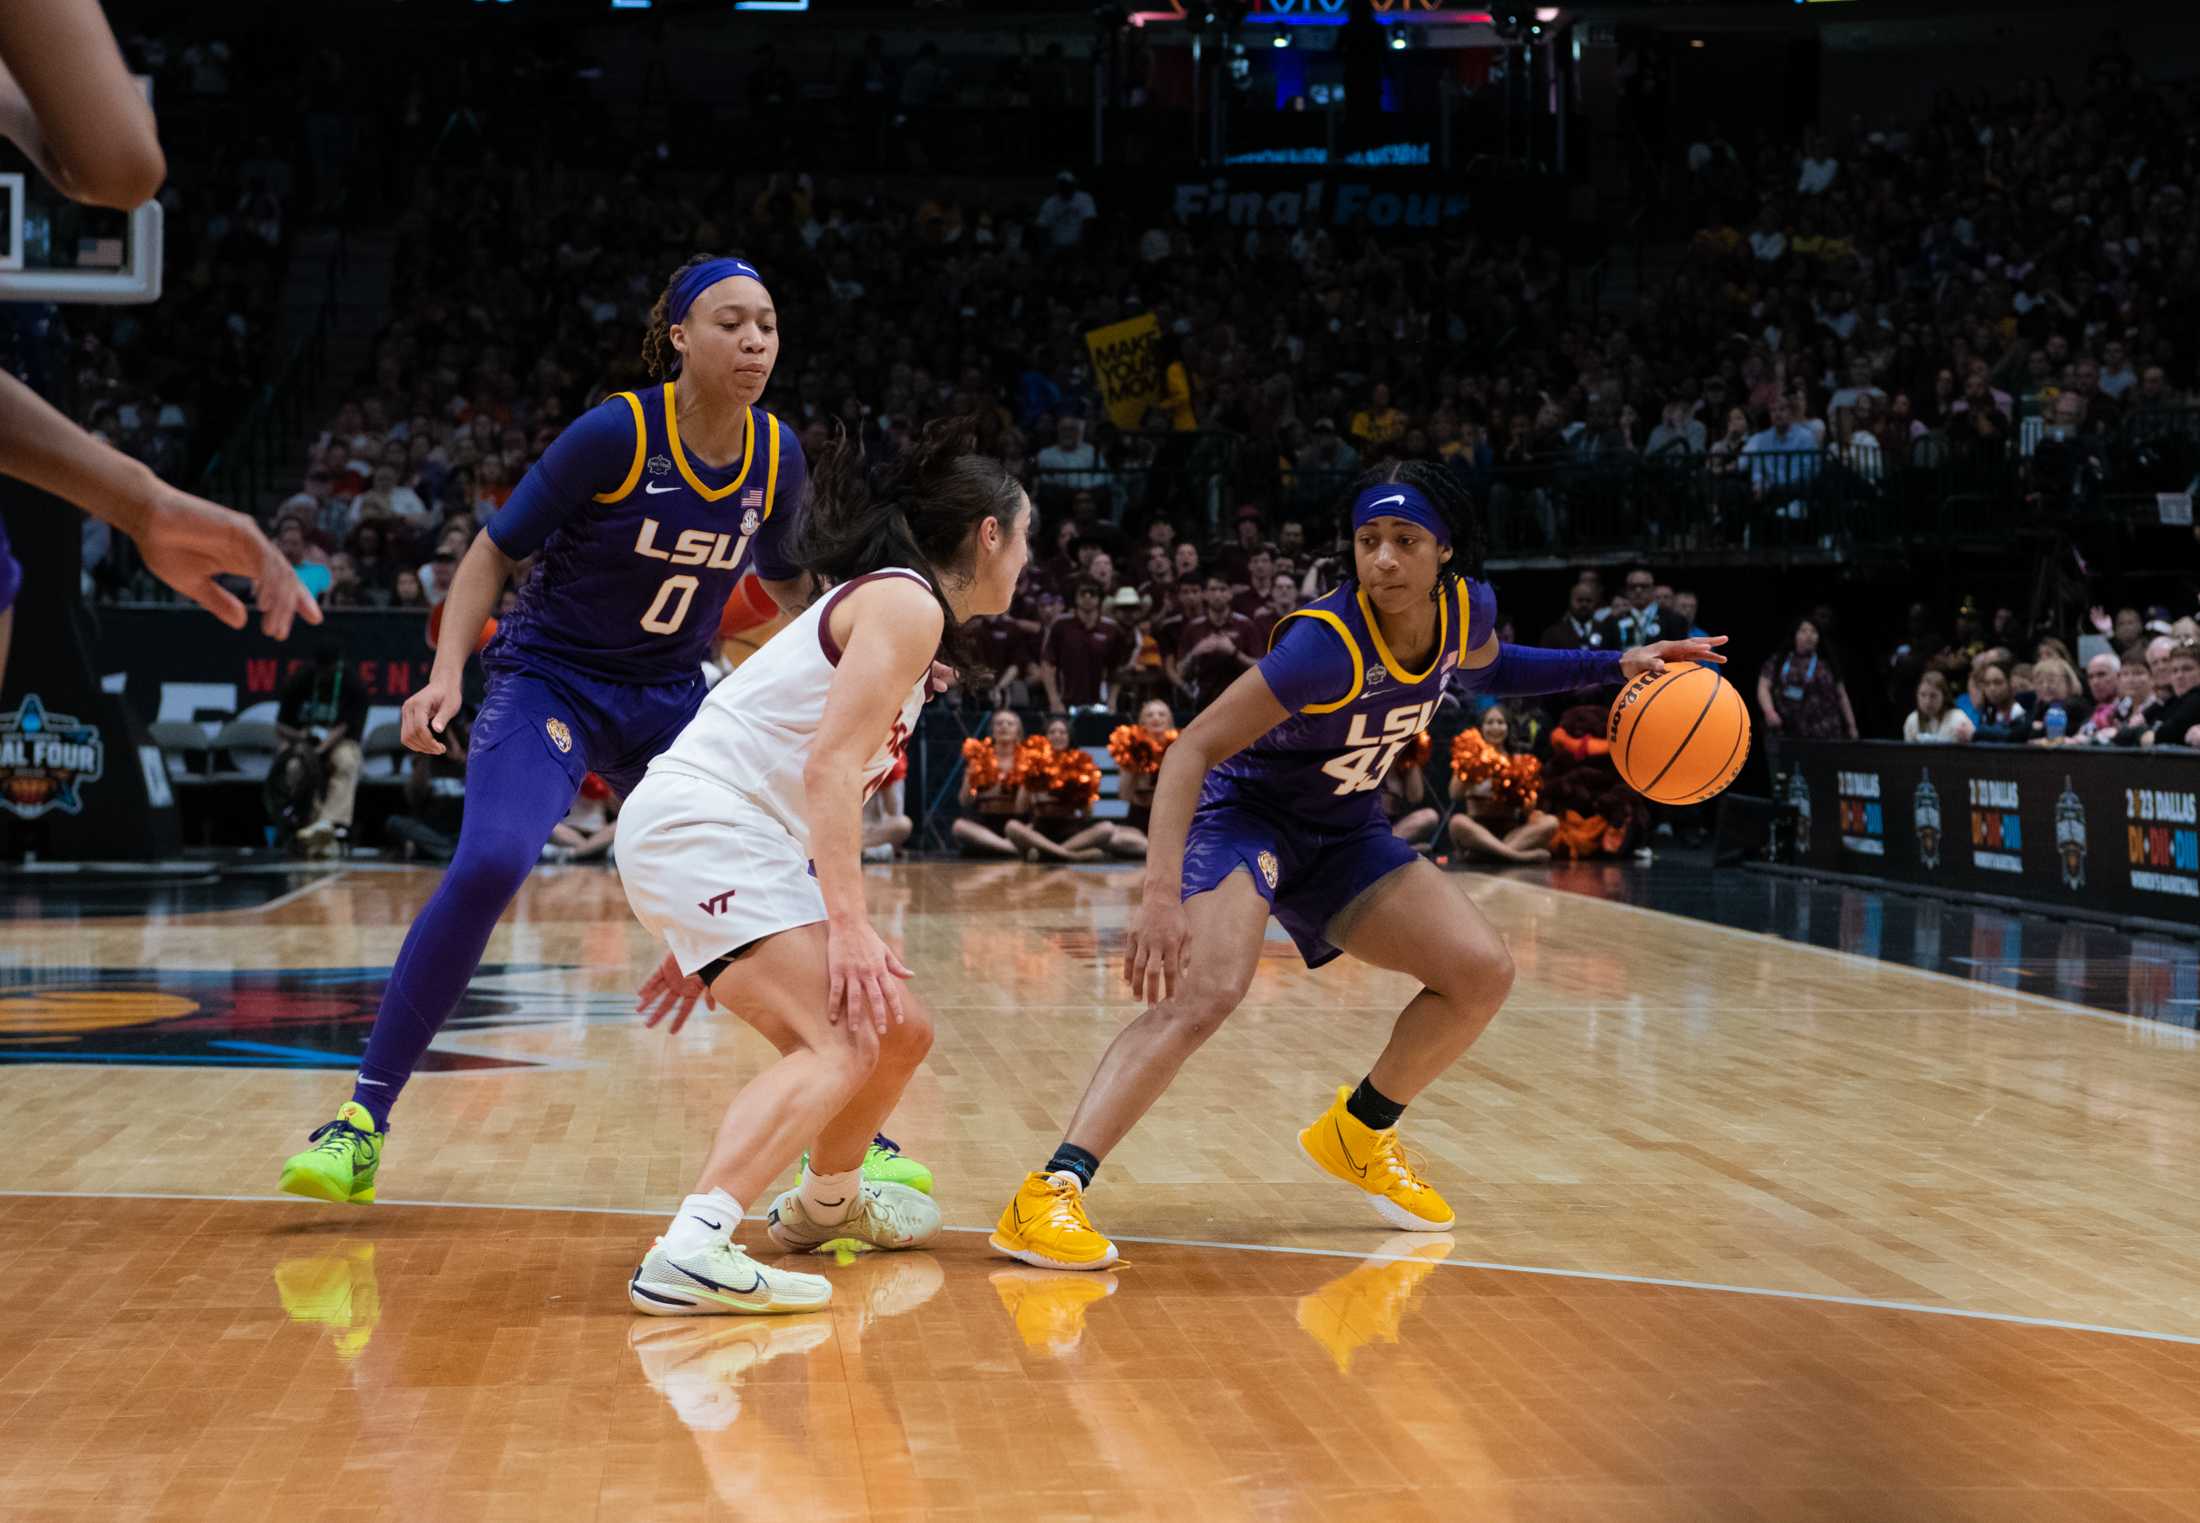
(1216, 646)
(1081, 652)
(1782, 456)
(1071, 463)
(313, 571)
(325, 707)
(1935, 720)
(1676, 433)
(1640, 621)
(1406, 797)
(406, 591)
(1800, 694)
(886, 822)
(2117, 722)
(1578, 628)
(2060, 712)
(2001, 719)
(435, 798)
(1063, 215)
(1379, 424)
(2178, 724)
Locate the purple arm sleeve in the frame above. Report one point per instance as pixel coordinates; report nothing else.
(768, 551)
(1521, 671)
(593, 455)
(1307, 664)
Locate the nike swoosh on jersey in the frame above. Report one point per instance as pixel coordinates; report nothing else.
(657, 491)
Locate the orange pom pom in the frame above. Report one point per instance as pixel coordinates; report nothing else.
(1474, 760)
(1073, 778)
(1416, 752)
(979, 766)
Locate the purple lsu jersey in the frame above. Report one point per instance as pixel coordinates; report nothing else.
(641, 545)
(1354, 707)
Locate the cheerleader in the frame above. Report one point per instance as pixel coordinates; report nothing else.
(1138, 750)
(1405, 793)
(1496, 791)
(1062, 782)
(993, 795)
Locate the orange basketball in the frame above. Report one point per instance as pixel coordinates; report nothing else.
(1680, 737)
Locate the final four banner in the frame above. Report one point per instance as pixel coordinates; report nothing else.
(2098, 828)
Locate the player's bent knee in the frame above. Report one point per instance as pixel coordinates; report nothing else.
(905, 1045)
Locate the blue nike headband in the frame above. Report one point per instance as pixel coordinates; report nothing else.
(1395, 499)
(695, 282)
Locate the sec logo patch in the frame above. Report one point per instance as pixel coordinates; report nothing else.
(560, 736)
(1268, 867)
(749, 521)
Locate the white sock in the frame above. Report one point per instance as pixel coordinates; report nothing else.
(704, 1221)
(830, 1199)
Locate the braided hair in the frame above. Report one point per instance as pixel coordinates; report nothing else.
(659, 358)
(1451, 499)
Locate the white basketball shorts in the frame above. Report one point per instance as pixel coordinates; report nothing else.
(708, 871)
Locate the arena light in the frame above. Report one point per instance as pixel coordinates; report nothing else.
(1546, 13)
(1279, 42)
(771, 5)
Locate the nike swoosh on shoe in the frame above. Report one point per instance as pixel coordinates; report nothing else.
(710, 1284)
(1359, 1169)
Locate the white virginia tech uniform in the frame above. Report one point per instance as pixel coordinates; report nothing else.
(714, 842)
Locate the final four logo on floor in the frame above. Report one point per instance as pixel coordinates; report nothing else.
(2070, 836)
(46, 759)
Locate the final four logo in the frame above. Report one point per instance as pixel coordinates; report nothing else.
(1799, 800)
(46, 759)
(2070, 836)
(1925, 813)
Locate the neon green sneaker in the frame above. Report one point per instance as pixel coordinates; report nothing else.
(340, 1165)
(884, 1164)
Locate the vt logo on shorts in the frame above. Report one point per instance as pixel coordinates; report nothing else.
(560, 736)
(716, 903)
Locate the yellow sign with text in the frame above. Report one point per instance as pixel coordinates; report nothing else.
(1126, 360)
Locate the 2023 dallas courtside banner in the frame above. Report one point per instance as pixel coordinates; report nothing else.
(2091, 827)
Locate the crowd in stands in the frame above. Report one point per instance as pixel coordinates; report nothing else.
(2007, 283)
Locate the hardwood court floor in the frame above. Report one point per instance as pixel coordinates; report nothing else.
(1748, 1230)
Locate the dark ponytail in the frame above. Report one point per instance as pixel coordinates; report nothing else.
(1451, 499)
(919, 513)
(659, 358)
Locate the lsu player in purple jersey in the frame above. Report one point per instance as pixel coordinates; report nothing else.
(644, 514)
(1270, 804)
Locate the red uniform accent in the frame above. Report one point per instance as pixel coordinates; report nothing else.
(749, 607)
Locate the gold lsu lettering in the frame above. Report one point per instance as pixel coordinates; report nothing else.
(693, 547)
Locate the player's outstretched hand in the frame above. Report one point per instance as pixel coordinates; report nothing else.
(187, 541)
(864, 978)
(939, 679)
(670, 992)
(1653, 658)
(1153, 959)
(422, 720)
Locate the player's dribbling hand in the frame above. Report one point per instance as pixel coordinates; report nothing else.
(669, 992)
(187, 541)
(863, 977)
(422, 720)
(1653, 658)
(1153, 957)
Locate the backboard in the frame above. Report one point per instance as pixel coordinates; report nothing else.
(52, 250)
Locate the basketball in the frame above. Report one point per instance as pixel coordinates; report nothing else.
(435, 629)
(1681, 736)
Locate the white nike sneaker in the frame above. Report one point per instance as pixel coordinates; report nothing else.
(718, 1281)
(698, 1366)
(887, 1216)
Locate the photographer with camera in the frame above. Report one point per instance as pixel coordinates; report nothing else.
(319, 719)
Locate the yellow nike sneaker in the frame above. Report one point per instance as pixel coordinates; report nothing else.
(1046, 1225)
(1049, 1309)
(1373, 1163)
(1366, 1304)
